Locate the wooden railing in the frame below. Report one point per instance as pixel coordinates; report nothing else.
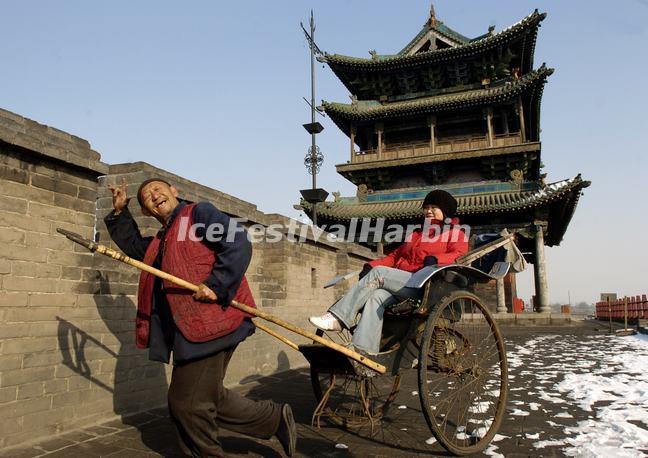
(415, 149)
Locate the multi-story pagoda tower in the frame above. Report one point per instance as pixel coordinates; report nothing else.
(459, 114)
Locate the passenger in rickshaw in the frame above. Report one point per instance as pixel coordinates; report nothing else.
(382, 281)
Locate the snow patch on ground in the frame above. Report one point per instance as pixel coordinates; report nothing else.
(605, 375)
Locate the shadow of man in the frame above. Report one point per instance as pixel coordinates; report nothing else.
(140, 386)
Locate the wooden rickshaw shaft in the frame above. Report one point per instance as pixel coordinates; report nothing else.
(102, 249)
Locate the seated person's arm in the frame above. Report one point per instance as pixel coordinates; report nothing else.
(457, 246)
(387, 261)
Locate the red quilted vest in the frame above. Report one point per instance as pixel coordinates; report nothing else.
(191, 261)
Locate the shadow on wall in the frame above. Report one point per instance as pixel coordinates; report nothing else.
(139, 384)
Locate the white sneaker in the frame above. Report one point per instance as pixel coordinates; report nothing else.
(326, 322)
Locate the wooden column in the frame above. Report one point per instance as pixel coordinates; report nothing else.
(505, 121)
(489, 123)
(352, 137)
(432, 121)
(540, 271)
(379, 132)
(501, 301)
(520, 111)
(380, 248)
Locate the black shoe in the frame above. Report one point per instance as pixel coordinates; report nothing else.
(287, 431)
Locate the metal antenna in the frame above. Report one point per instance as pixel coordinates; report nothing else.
(314, 158)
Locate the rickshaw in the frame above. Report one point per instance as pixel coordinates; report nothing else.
(448, 336)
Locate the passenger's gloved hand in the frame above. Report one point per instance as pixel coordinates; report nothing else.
(365, 271)
(430, 261)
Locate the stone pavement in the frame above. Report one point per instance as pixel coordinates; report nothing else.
(533, 414)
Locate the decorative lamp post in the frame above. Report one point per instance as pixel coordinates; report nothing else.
(314, 158)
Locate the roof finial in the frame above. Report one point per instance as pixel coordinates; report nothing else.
(433, 19)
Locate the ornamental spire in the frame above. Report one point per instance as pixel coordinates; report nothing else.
(433, 19)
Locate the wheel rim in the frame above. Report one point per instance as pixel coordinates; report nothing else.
(462, 374)
(352, 400)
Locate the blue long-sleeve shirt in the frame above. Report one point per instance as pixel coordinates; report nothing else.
(233, 257)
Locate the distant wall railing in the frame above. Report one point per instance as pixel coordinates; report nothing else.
(442, 146)
(637, 308)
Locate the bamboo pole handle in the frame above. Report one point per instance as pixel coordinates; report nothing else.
(143, 266)
(340, 348)
(273, 333)
(93, 246)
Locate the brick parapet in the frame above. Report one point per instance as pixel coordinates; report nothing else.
(67, 353)
(48, 141)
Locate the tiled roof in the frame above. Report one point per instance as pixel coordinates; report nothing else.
(472, 204)
(440, 55)
(365, 111)
(441, 29)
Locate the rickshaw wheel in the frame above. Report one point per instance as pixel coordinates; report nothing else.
(463, 375)
(349, 399)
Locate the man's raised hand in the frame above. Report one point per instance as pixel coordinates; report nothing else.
(119, 197)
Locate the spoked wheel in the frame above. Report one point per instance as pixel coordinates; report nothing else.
(463, 376)
(348, 399)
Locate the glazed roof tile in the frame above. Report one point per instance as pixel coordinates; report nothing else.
(466, 48)
(472, 204)
(371, 110)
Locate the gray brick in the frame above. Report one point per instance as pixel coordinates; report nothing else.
(65, 258)
(49, 418)
(41, 359)
(27, 345)
(83, 219)
(30, 390)
(52, 300)
(30, 284)
(10, 426)
(71, 273)
(51, 212)
(11, 330)
(13, 205)
(24, 222)
(22, 253)
(8, 394)
(35, 270)
(53, 242)
(44, 329)
(55, 386)
(12, 174)
(12, 236)
(89, 194)
(28, 192)
(73, 203)
(9, 362)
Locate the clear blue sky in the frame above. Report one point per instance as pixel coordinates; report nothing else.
(212, 91)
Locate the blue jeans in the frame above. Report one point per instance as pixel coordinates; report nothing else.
(380, 288)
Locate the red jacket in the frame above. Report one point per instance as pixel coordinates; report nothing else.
(446, 245)
(192, 261)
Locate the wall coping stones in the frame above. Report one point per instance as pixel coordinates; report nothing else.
(50, 142)
(229, 204)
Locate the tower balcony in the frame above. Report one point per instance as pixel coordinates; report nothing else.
(441, 146)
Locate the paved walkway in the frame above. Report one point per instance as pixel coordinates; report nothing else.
(533, 414)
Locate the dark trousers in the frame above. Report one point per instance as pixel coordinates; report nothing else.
(199, 404)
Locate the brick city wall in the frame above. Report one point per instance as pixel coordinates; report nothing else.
(67, 353)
